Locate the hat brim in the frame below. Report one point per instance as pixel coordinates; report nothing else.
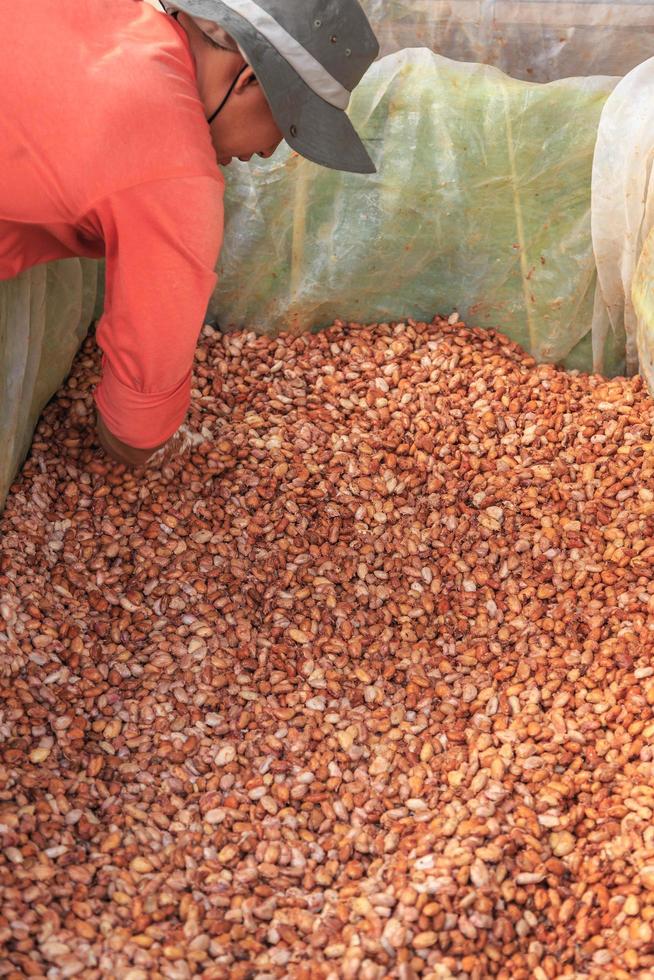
(312, 127)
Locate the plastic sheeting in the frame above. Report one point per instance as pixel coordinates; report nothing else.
(44, 316)
(643, 302)
(482, 203)
(623, 218)
(536, 40)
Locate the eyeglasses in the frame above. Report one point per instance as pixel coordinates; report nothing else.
(223, 40)
(231, 88)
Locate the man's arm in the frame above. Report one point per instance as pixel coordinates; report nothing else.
(162, 241)
(120, 451)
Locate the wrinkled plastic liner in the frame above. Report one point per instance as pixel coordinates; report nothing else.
(482, 203)
(44, 316)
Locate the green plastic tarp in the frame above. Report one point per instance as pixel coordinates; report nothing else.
(481, 203)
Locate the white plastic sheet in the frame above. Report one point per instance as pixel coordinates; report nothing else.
(643, 300)
(623, 218)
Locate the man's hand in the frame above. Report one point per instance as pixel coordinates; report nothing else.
(120, 451)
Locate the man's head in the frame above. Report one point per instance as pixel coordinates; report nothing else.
(304, 59)
(245, 125)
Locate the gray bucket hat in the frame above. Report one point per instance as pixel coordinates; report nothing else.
(308, 56)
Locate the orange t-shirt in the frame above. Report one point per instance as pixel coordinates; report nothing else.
(104, 151)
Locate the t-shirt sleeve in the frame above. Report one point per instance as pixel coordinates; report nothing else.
(162, 241)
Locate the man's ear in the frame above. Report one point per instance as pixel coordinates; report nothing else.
(247, 79)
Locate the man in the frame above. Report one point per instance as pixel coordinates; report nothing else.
(116, 115)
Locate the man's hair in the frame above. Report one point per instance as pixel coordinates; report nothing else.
(215, 35)
(219, 38)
